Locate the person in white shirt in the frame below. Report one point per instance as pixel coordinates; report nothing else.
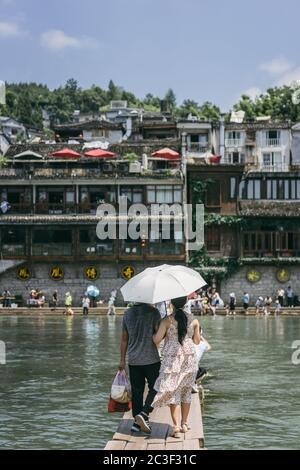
(85, 305)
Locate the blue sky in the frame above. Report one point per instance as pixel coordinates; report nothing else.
(203, 49)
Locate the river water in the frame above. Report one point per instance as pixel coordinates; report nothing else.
(55, 384)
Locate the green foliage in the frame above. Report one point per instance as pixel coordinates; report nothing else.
(201, 260)
(276, 102)
(3, 161)
(228, 220)
(26, 102)
(170, 99)
(131, 157)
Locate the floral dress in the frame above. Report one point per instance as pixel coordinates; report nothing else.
(178, 368)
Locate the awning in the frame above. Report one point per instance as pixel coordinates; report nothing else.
(99, 153)
(167, 153)
(66, 153)
(28, 153)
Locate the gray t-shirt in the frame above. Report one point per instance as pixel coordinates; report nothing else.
(140, 322)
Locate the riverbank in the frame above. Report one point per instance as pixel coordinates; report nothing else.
(100, 311)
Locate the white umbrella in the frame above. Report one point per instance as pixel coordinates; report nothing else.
(162, 283)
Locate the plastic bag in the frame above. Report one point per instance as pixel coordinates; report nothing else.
(120, 389)
(114, 407)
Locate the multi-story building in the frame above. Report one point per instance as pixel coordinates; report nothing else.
(49, 215)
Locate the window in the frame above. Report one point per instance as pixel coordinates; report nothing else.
(52, 242)
(90, 244)
(213, 238)
(253, 189)
(164, 194)
(272, 138)
(12, 242)
(270, 243)
(271, 159)
(233, 187)
(134, 195)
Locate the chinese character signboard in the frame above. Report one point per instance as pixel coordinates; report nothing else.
(283, 275)
(128, 272)
(56, 273)
(253, 276)
(23, 273)
(91, 273)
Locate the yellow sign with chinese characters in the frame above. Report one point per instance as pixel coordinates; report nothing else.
(128, 272)
(91, 273)
(56, 273)
(24, 273)
(283, 275)
(253, 276)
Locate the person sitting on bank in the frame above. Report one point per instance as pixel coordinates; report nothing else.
(259, 305)
(6, 298)
(268, 303)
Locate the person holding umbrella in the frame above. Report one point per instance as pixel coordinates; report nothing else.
(181, 332)
(92, 292)
(140, 325)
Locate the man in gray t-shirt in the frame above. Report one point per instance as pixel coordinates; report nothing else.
(140, 322)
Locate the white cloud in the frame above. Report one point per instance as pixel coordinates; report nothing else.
(253, 92)
(276, 66)
(57, 40)
(10, 29)
(289, 77)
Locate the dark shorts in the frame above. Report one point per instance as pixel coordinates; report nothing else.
(246, 306)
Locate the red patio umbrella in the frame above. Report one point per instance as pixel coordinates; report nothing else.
(66, 153)
(167, 153)
(98, 153)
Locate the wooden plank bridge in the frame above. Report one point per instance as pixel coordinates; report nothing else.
(160, 437)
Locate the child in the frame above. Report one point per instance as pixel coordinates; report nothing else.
(277, 307)
(232, 303)
(111, 303)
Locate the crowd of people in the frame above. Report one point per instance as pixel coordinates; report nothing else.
(208, 301)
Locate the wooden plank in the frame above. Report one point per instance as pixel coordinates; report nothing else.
(156, 447)
(115, 445)
(136, 446)
(174, 445)
(191, 444)
(195, 420)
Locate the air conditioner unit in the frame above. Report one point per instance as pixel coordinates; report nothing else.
(135, 167)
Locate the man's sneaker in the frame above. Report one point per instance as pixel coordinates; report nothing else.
(143, 422)
(135, 427)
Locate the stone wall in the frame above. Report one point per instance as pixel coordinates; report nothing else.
(268, 284)
(74, 280)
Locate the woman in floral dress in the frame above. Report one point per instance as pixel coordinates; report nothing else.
(179, 364)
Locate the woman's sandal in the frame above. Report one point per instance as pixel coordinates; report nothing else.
(176, 432)
(185, 427)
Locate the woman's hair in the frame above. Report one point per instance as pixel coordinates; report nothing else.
(180, 317)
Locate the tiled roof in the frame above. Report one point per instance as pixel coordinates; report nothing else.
(144, 146)
(87, 125)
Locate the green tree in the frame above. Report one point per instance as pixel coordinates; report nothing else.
(170, 99)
